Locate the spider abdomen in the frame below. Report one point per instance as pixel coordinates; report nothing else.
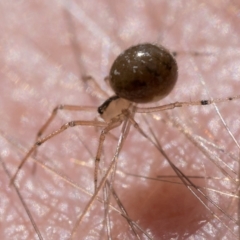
(143, 73)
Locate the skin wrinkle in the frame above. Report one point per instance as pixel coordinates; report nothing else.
(39, 71)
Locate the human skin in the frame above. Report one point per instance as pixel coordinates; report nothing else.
(39, 71)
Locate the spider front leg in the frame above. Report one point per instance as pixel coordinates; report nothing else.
(115, 122)
(185, 104)
(53, 115)
(98, 91)
(60, 130)
(55, 111)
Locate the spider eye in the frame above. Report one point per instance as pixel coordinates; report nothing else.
(143, 73)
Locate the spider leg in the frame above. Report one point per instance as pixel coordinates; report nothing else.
(60, 130)
(183, 104)
(193, 53)
(53, 115)
(115, 122)
(62, 107)
(92, 83)
(111, 125)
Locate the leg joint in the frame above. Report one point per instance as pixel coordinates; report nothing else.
(71, 124)
(38, 143)
(59, 107)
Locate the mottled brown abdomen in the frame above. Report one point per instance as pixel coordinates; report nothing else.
(144, 73)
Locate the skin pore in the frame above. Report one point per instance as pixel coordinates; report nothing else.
(39, 70)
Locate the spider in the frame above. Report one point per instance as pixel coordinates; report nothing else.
(143, 73)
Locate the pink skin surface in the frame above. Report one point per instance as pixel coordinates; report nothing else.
(41, 67)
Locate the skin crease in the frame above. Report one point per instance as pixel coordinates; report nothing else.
(39, 71)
